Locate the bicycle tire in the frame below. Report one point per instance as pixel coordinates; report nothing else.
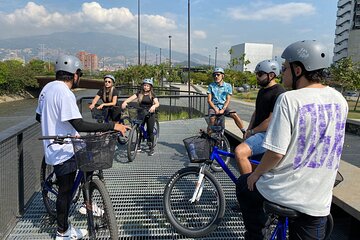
(134, 143)
(224, 145)
(47, 176)
(105, 225)
(202, 220)
(156, 132)
(329, 226)
(124, 139)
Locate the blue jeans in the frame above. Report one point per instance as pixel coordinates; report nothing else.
(256, 222)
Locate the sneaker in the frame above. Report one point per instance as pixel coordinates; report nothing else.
(97, 211)
(151, 152)
(71, 233)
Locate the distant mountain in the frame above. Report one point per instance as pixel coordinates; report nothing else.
(107, 45)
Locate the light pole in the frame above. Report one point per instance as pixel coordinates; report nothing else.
(160, 56)
(189, 58)
(209, 60)
(215, 57)
(138, 32)
(170, 51)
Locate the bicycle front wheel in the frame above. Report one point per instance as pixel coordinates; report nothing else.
(49, 187)
(224, 145)
(201, 217)
(134, 143)
(103, 212)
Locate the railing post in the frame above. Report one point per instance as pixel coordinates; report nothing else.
(21, 188)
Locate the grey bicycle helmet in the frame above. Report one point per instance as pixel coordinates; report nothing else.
(67, 63)
(148, 81)
(268, 66)
(312, 54)
(219, 70)
(111, 77)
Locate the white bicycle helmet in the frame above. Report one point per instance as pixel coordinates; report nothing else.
(219, 70)
(111, 77)
(268, 66)
(148, 81)
(67, 63)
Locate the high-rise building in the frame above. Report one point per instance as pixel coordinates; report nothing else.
(253, 53)
(347, 33)
(88, 60)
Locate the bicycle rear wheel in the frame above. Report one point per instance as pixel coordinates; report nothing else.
(104, 216)
(134, 143)
(224, 145)
(201, 217)
(49, 187)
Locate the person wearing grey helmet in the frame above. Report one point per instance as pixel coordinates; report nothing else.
(109, 96)
(266, 73)
(219, 95)
(59, 114)
(304, 142)
(146, 99)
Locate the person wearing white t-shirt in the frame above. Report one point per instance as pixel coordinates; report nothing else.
(304, 143)
(59, 114)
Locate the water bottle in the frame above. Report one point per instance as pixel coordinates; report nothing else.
(193, 151)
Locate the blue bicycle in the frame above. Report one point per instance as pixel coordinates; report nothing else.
(194, 201)
(138, 132)
(92, 154)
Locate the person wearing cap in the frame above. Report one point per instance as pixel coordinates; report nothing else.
(109, 96)
(59, 114)
(304, 142)
(266, 72)
(219, 95)
(146, 99)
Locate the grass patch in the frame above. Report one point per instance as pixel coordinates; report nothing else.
(353, 114)
(246, 96)
(164, 116)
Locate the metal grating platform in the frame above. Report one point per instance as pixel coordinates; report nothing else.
(136, 190)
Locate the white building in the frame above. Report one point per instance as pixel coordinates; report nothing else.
(347, 33)
(252, 52)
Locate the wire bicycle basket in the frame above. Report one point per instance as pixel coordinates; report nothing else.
(94, 152)
(99, 114)
(198, 148)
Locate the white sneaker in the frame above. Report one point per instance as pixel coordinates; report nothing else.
(71, 233)
(97, 211)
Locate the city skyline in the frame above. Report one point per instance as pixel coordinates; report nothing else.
(213, 23)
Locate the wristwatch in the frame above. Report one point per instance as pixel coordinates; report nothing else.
(251, 131)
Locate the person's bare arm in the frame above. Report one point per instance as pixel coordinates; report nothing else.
(128, 100)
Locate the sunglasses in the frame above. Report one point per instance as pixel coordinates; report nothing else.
(107, 81)
(283, 69)
(216, 74)
(259, 74)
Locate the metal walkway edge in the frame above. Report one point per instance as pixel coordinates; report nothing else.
(136, 191)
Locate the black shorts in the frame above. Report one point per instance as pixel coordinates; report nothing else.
(66, 167)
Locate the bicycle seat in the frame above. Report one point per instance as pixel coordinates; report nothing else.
(280, 211)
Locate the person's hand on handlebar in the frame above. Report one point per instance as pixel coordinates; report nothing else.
(91, 106)
(121, 128)
(152, 109)
(221, 111)
(217, 111)
(100, 106)
(124, 105)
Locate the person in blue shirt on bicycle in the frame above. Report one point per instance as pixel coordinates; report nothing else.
(304, 142)
(219, 96)
(109, 96)
(148, 100)
(266, 72)
(59, 115)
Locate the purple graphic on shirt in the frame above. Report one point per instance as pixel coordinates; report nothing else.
(315, 121)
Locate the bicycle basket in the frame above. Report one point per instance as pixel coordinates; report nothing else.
(94, 152)
(137, 114)
(198, 149)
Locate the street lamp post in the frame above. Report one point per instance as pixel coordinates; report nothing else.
(160, 56)
(169, 61)
(189, 67)
(138, 32)
(215, 57)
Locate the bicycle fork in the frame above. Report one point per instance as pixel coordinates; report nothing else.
(199, 185)
(89, 210)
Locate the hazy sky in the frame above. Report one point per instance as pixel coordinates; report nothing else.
(214, 23)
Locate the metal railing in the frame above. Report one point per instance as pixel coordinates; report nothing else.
(22, 152)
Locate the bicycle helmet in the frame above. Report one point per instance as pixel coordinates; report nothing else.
(67, 63)
(268, 66)
(111, 77)
(148, 81)
(312, 54)
(219, 70)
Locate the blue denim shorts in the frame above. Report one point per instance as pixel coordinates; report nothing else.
(255, 143)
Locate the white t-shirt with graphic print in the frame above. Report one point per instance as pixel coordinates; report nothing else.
(57, 105)
(308, 127)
